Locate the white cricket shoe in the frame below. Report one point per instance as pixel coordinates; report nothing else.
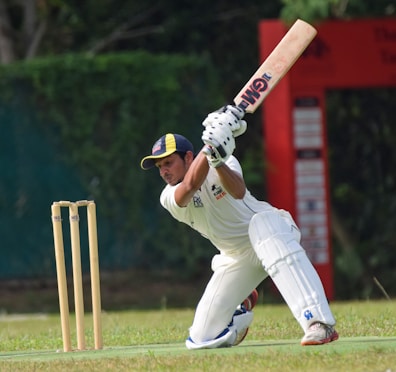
(318, 334)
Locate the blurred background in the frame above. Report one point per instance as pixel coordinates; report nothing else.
(87, 88)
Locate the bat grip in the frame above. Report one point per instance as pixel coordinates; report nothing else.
(208, 150)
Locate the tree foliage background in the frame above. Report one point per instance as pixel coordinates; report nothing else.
(362, 133)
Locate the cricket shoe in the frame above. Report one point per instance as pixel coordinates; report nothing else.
(244, 312)
(250, 302)
(319, 334)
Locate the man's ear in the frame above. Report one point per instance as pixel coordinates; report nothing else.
(189, 157)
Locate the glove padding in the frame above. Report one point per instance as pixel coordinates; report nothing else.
(230, 115)
(219, 137)
(235, 110)
(213, 156)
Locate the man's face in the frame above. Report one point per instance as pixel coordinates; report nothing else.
(172, 168)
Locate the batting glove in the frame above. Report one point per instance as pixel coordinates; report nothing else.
(235, 110)
(230, 115)
(213, 156)
(220, 138)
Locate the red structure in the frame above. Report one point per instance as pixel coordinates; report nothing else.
(344, 54)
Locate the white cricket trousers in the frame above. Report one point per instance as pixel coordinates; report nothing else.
(234, 278)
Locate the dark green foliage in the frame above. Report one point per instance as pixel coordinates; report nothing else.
(101, 116)
(362, 138)
(316, 11)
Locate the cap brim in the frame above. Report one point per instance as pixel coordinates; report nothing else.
(148, 162)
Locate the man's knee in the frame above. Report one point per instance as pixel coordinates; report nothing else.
(224, 339)
(272, 238)
(230, 336)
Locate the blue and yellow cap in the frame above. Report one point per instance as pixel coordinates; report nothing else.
(165, 146)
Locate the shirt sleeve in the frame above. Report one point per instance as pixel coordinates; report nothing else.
(167, 200)
(234, 164)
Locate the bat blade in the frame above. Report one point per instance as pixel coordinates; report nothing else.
(276, 65)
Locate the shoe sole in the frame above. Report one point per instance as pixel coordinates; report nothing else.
(333, 337)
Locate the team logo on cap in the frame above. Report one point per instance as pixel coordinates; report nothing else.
(157, 147)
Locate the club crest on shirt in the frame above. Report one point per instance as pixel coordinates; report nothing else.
(218, 192)
(197, 201)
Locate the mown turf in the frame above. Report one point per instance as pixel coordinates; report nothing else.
(154, 341)
(343, 346)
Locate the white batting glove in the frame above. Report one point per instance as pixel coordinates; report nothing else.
(235, 110)
(230, 115)
(223, 117)
(239, 114)
(242, 129)
(213, 156)
(219, 137)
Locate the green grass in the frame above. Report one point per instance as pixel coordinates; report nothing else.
(154, 341)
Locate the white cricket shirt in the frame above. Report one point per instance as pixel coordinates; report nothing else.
(215, 214)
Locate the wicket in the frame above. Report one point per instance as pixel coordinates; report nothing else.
(77, 272)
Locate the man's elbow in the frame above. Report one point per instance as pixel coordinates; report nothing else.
(184, 194)
(240, 194)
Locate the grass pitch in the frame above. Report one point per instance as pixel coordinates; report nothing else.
(154, 341)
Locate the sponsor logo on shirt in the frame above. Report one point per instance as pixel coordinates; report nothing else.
(218, 192)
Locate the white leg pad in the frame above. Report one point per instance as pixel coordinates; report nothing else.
(275, 239)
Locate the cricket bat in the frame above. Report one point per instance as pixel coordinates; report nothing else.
(276, 65)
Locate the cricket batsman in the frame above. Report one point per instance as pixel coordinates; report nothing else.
(254, 239)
